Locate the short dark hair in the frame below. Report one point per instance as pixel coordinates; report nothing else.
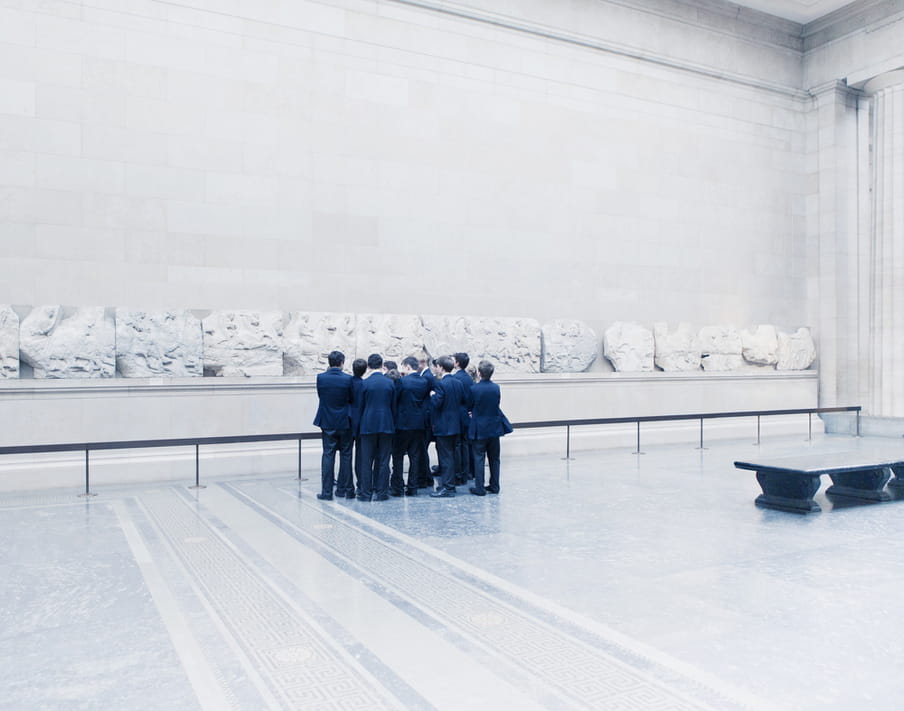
(462, 359)
(374, 361)
(411, 362)
(445, 362)
(486, 369)
(359, 367)
(390, 365)
(336, 359)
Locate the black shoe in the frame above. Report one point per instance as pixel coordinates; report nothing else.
(493, 491)
(395, 492)
(363, 498)
(350, 496)
(382, 497)
(425, 485)
(443, 494)
(477, 492)
(411, 491)
(325, 497)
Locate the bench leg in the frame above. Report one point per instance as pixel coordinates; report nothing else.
(898, 481)
(788, 493)
(867, 484)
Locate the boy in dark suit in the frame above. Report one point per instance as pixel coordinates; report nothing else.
(377, 427)
(445, 415)
(334, 390)
(488, 424)
(463, 448)
(412, 392)
(359, 368)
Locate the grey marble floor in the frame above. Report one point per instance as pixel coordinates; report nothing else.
(613, 581)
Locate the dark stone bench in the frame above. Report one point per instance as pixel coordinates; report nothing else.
(789, 483)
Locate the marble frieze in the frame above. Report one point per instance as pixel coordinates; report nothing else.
(512, 344)
(158, 343)
(310, 336)
(80, 343)
(9, 342)
(567, 347)
(243, 343)
(629, 347)
(678, 350)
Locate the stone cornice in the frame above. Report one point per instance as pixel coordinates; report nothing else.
(863, 15)
(619, 49)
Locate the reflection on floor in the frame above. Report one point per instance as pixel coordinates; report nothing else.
(614, 581)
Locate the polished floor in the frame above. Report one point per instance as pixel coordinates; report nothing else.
(613, 581)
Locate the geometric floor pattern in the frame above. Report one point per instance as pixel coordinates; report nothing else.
(614, 581)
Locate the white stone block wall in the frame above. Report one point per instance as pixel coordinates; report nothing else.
(361, 167)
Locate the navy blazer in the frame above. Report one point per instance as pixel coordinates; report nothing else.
(466, 383)
(412, 393)
(445, 406)
(487, 419)
(334, 388)
(377, 405)
(357, 403)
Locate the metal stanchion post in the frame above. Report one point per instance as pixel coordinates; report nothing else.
(197, 470)
(701, 435)
(567, 456)
(87, 477)
(809, 427)
(757, 432)
(637, 451)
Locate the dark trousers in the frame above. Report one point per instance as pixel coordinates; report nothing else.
(376, 450)
(357, 462)
(336, 441)
(486, 449)
(445, 452)
(410, 442)
(463, 462)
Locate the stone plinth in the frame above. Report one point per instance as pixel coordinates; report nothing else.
(568, 347)
(162, 343)
(720, 348)
(243, 343)
(760, 346)
(796, 351)
(676, 351)
(629, 346)
(310, 336)
(9, 342)
(78, 345)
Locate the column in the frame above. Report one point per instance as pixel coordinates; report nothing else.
(886, 361)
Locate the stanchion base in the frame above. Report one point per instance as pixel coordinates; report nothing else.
(197, 486)
(638, 452)
(703, 448)
(87, 493)
(301, 478)
(567, 459)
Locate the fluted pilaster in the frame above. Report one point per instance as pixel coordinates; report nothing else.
(887, 252)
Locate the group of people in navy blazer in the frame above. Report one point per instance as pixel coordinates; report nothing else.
(393, 413)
